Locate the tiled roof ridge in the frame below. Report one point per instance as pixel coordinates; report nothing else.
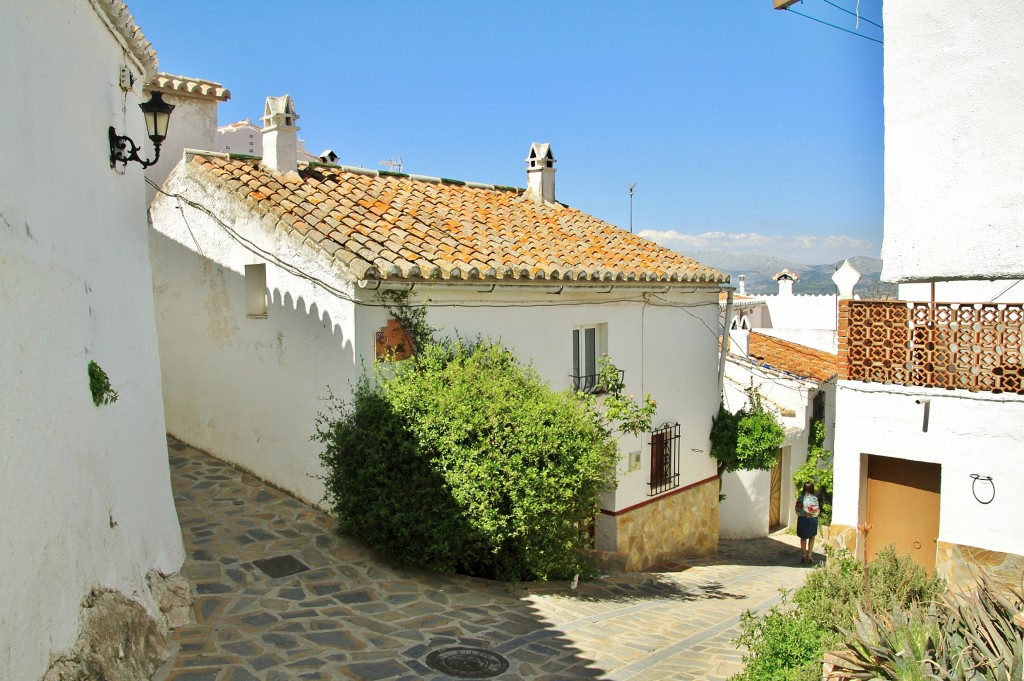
(793, 358)
(373, 172)
(121, 21)
(438, 237)
(197, 87)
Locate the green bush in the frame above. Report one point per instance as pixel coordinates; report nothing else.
(787, 643)
(817, 470)
(747, 440)
(461, 459)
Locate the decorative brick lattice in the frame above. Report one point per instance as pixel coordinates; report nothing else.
(967, 346)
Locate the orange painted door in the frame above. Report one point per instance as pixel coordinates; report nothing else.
(775, 494)
(903, 508)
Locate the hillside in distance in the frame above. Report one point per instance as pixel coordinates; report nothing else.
(814, 279)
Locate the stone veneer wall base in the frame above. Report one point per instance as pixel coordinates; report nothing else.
(674, 525)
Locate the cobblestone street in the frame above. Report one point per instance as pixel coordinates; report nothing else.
(350, 616)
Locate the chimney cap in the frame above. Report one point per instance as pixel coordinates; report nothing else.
(786, 275)
(279, 111)
(540, 156)
(328, 156)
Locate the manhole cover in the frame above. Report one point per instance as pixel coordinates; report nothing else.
(467, 663)
(281, 566)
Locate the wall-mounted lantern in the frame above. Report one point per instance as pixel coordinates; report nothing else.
(157, 113)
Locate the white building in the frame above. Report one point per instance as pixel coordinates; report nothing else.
(270, 294)
(244, 137)
(84, 489)
(930, 431)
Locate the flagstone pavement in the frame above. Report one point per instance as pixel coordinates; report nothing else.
(352, 616)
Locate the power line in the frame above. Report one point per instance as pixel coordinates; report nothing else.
(845, 30)
(852, 14)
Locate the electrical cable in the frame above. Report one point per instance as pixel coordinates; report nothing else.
(852, 14)
(845, 30)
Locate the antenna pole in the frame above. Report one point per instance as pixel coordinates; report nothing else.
(631, 188)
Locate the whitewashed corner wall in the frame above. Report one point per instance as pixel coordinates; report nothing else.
(84, 490)
(954, 183)
(246, 389)
(968, 433)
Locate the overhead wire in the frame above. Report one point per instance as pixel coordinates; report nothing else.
(852, 14)
(822, 21)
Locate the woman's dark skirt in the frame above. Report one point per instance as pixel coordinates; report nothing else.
(806, 528)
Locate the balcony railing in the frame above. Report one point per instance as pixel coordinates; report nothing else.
(966, 346)
(591, 383)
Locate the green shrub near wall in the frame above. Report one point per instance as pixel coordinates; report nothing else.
(461, 459)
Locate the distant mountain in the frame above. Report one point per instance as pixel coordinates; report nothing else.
(760, 267)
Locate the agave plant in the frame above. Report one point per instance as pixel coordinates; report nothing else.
(968, 636)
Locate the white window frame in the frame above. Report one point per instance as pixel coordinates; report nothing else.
(590, 342)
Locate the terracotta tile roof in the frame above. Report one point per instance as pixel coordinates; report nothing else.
(792, 358)
(123, 24)
(382, 225)
(195, 87)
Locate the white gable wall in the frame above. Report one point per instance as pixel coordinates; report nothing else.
(954, 180)
(246, 389)
(84, 490)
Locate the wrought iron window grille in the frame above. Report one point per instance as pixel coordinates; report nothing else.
(591, 383)
(664, 459)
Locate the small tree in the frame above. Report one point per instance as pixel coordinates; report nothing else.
(747, 440)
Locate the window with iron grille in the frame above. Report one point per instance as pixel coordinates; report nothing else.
(818, 406)
(664, 459)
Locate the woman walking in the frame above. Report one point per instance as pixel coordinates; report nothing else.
(807, 522)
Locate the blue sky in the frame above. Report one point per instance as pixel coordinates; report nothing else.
(743, 127)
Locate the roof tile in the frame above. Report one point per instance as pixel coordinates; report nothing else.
(412, 227)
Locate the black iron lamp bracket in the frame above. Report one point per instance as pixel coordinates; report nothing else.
(123, 149)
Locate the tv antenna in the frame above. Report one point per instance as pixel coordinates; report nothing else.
(631, 188)
(395, 163)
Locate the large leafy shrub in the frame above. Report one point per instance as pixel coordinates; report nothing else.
(747, 440)
(461, 459)
(788, 642)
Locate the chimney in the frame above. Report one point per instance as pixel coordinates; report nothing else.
(743, 285)
(540, 173)
(845, 278)
(280, 140)
(786, 279)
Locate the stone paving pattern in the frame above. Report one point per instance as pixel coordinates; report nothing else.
(351, 616)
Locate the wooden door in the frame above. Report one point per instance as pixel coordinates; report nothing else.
(903, 508)
(775, 494)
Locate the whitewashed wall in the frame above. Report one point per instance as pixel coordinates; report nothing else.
(799, 312)
(245, 389)
(967, 433)
(954, 181)
(84, 491)
(999, 291)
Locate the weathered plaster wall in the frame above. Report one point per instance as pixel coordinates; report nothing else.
(84, 490)
(967, 433)
(954, 178)
(246, 389)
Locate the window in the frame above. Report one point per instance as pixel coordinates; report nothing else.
(256, 291)
(588, 344)
(664, 459)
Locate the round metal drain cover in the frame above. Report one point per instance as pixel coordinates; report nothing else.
(467, 663)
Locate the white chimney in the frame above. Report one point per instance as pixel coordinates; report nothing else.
(786, 279)
(540, 173)
(280, 139)
(743, 285)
